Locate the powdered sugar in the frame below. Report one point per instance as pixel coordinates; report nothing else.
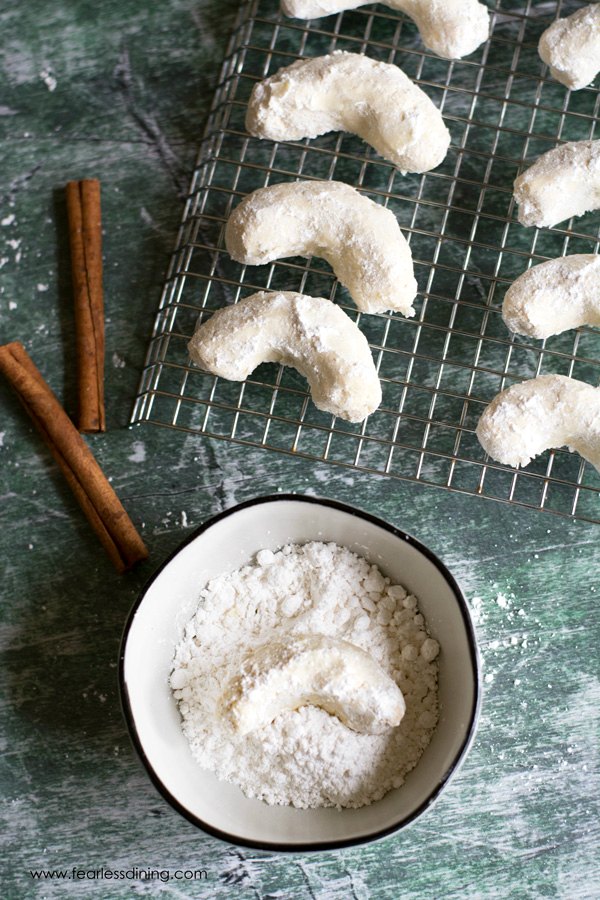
(306, 757)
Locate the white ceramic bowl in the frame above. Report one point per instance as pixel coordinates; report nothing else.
(156, 625)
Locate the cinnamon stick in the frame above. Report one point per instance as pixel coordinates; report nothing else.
(85, 236)
(76, 461)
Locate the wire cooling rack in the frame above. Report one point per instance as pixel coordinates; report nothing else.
(440, 369)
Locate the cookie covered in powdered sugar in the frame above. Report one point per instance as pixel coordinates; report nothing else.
(311, 334)
(571, 47)
(555, 296)
(546, 412)
(313, 670)
(359, 238)
(562, 183)
(351, 92)
(451, 28)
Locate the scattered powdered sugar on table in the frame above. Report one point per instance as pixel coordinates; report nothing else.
(306, 757)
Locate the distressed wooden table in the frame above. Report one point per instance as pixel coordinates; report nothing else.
(120, 91)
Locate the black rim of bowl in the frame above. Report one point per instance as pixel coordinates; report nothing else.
(317, 846)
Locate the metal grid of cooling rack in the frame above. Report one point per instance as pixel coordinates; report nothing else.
(440, 369)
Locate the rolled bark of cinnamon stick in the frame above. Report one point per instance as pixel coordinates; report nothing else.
(76, 461)
(85, 235)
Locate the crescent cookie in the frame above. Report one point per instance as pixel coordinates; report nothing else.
(451, 28)
(311, 334)
(360, 239)
(313, 670)
(546, 412)
(555, 296)
(563, 182)
(350, 92)
(571, 47)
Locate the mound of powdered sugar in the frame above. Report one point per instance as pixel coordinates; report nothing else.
(306, 757)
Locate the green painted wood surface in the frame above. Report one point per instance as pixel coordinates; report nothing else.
(120, 91)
